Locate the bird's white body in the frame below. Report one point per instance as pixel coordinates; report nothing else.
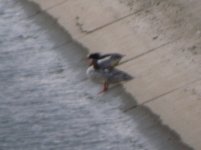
(105, 75)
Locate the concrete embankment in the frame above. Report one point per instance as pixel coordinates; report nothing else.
(161, 41)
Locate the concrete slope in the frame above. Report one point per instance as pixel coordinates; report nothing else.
(161, 41)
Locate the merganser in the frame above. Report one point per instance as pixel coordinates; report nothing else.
(106, 76)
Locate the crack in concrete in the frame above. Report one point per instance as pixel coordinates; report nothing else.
(80, 25)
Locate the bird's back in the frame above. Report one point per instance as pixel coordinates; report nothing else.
(110, 60)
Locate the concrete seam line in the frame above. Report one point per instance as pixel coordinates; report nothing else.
(149, 51)
(131, 108)
(157, 97)
(34, 15)
(51, 7)
(110, 23)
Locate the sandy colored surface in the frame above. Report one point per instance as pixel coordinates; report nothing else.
(162, 42)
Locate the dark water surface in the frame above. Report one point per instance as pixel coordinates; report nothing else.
(46, 102)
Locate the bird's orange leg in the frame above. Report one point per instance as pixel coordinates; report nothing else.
(105, 87)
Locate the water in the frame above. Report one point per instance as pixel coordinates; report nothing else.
(46, 102)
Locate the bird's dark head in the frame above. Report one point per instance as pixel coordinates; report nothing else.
(94, 56)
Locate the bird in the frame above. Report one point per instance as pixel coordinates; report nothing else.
(106, 76)
(105, 61)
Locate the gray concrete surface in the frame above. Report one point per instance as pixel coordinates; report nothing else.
(47, 103)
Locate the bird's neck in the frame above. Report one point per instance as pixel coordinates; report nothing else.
(95, 65)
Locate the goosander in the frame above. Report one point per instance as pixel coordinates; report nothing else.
(106, 76)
